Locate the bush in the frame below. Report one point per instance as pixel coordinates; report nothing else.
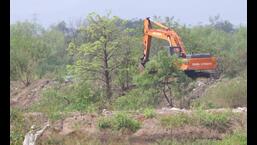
(218, 120)
(123, 121)
(136, 99)
(17, 130)
(177, 120)
(149, 113)
(213, 120)
(55, 101)
(119, 122)
(104, 123)
(227, 93)
(51, 103)
(238, 138)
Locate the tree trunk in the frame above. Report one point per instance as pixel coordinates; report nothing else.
(107, 76)
(165, 95)
(127, 75)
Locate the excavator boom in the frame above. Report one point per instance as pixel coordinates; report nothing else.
(166, 33)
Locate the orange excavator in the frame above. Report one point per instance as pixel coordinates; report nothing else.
(191, 62)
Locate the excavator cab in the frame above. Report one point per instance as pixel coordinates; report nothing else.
(173, 50)
(199, 55)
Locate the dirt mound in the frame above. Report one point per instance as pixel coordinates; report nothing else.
(84, 128)
(24, 96)
(151, 131)
(74, 122)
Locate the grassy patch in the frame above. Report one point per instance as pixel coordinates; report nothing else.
(237, 138)
(136, 99)
(149, 113)
(227, 93)
(119, 122)
(176, 120)
(51, 104)
(18, 125)
(55, 102)
(105, 122)
(213, 120)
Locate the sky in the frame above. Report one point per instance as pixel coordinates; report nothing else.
(189, 12)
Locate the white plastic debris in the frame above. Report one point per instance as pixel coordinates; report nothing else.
(32, 136)
(240, 109)
(106, 113)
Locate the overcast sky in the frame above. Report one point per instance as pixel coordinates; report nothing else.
(186, 11)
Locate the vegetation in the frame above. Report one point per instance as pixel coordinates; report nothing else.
(177, 120)
(214, 120)
(118, 122)
(237, 138)
(55, 103)
(101, 56)
(229, 93)
(17, 130)
(217, 121)
(149, 113)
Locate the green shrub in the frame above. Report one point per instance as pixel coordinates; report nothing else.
(56, 101)
(118, 122)
(216, 120)
(123, 121)
(231, 139)
(136, 99)
(237, 138)
(51, 103)
(104, 123)
(149, 113)
(176, 120)
(227, 94)
(17, 130)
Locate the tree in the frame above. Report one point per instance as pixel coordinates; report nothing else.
(163, 75)
(225, 26)
(57, 59)
(96, 60)
(128, 58)
(27, 50)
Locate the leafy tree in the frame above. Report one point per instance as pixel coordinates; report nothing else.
(57, 57)
(96, 59)
(225, 26)
(27, 50)
(163, 75)
(128, 58)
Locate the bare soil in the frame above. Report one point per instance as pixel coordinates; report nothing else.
(79, 126)
(84, 126)
(23, 97)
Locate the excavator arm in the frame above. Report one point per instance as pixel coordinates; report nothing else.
(166, 34)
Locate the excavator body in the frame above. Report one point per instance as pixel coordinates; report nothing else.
(199, 62)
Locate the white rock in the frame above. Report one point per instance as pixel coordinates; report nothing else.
(106, 113)
(175, 109)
